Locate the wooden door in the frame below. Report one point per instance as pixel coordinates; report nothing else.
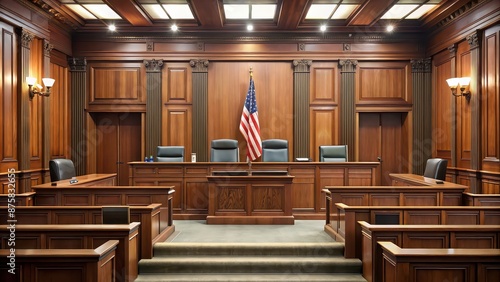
(118, 142)
(381, 139)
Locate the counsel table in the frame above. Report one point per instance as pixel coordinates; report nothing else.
(250, 200)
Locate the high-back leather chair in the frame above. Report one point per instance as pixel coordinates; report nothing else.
(224, 150)
(436, 168)
(170, 153)
(275, 150)
(333, 153)
(61, 169)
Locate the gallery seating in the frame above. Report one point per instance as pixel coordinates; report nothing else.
(333, 153)
(224, 150)
(170, 153)
(275, 150)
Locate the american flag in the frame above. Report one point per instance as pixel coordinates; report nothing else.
(249, 124)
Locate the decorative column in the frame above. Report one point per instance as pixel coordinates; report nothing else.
(47, 48)
(78, 73)
(301, 77)
(347, 106)
(153, 105)
(200, 108)
(422, 123)
(474, 41)
(24, 113)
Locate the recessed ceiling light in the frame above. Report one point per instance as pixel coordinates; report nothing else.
(389, 28)
(174, 27)
(322, 27)
(112, 27)
(249, 27)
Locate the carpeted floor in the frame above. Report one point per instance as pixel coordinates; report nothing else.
(198, 231)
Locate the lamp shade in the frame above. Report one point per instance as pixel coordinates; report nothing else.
(48, 82)
(464, 81)
(31, 80)
(452, 82)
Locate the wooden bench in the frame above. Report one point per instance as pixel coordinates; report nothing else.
(436, 265)
(471, 199)
(108, 195)
(149, 216)
(422, 236)
(81, 236)
(24, 199)
(346, 228)
(76, 265)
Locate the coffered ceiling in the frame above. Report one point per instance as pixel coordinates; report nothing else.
(262, 15)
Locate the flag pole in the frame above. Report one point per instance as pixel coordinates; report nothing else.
(248, 159)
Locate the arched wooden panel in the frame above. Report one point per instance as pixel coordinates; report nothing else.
(324, 128)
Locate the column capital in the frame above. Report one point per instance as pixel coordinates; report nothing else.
(47, 48)
(421, 65)
(473, 39)
(26, 38)
(199, 65)
(153, 65)
(302, 65)
(77, 64)
(348, 65)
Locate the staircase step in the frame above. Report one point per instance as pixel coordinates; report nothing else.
(269, 264)
(250, 277)
(249, 249)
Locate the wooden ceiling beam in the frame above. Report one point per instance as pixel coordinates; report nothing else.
(370, 12)
(291, 13)
(208, 12)
(130, 12)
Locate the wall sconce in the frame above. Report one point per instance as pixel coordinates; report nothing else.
(463, 83)
(37, 88)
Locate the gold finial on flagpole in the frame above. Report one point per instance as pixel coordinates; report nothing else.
(251, 72)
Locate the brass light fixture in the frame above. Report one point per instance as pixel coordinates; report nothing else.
(462, 83)
(36, 89)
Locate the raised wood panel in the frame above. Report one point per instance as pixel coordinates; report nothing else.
(227, 89)
(59, 113)
(177, 127)
(383, 83)
(196, 196)
(178, 84)
(116, 83)
(8, 99)
(36, 109)
(324, 128)
(491, 100)
(463, 113)
(442, 121)
(324, 84)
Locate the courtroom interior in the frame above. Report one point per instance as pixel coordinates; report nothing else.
(125, 123)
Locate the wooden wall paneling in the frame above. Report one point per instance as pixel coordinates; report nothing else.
(82, 129)
(383, 83)
(177, 127)
(36, 115)
(463, 109)
(324, 128)
(60, 113)
(422, 122)
(490, 100)
(227, 88)
(442, 118)
(301, 90)
(117, 87)
(46, 104)
(153, 105)
(129, 144)
(178, 84)
(8, 100)
(324, 84)
(200, 108)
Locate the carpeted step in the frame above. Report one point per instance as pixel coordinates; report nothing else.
(248, 249)
(251, 277)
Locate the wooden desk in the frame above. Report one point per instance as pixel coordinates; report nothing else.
(250, 200)
(402, 179)
(190, 182)
(85, 180)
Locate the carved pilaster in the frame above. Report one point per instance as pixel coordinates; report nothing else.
(78, 73)
(153, 105)
(47, 48)
(347, 107)
(422, 124)
(200, 108)
(473, 40)
(301, 76)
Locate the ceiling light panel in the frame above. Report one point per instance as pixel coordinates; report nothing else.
(343, 12)
(235, 11)
(178, 11)
(155, 11)
(81, 11)
(102, 11)
(263, 11)
(418, 13)
(320, 11)
(399, 11)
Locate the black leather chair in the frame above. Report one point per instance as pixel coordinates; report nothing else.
(275, 150)
(436, 168)
(115, 215)
(224, 150)
(333, 153)
(61, 169)
(170, 153)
